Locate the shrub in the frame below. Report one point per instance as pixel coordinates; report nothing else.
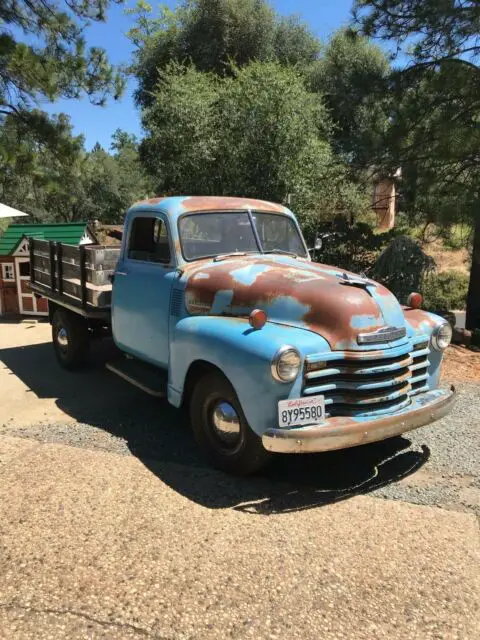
(350, 247)
(403, 267)
(445, 291)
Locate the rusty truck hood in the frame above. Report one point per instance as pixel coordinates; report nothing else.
(335, 304)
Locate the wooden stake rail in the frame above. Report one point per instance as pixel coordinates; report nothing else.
(81, 275)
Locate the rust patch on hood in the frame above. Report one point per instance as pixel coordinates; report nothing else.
(306, 295)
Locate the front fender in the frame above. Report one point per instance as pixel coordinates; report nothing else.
(419, 322)
(244, 356)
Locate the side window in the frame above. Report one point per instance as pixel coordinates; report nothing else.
(149, 241)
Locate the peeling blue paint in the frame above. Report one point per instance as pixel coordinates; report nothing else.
(247, 275)
(221, 303)
(365, 322)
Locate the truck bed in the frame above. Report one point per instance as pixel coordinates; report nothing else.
(73, 276)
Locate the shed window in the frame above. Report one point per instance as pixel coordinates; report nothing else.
(24, 268)
(149, 241)
(7, 271)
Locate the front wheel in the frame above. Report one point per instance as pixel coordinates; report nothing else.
(71, 339)
(221, 430)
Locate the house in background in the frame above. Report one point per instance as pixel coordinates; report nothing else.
(15, 294)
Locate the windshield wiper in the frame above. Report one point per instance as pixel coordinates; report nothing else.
(222, 256)
(282, 251)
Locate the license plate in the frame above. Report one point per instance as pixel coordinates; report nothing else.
(299, 412)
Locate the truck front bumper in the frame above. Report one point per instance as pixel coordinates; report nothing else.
(344, 432)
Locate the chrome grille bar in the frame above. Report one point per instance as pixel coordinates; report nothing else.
(371, 381)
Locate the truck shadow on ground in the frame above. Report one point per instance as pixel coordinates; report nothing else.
(159, 436)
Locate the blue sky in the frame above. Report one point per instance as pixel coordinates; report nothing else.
(98, 124)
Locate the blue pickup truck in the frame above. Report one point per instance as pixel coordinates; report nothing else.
(214, 302)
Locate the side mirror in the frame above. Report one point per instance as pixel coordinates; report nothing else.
(317, 246)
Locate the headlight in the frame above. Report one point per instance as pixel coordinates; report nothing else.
(286, 364)
(442, 337)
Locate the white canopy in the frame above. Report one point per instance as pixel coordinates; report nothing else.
(9, 212)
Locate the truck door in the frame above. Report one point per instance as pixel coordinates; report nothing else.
(141, 290)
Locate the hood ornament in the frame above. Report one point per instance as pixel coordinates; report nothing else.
(355, 281)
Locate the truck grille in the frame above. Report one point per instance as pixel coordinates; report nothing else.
(358, 385)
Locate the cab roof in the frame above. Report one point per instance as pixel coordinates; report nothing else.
(177, 205)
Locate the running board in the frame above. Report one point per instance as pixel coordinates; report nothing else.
(142, 375)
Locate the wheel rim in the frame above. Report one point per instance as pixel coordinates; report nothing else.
(226, 424)
(62, 338)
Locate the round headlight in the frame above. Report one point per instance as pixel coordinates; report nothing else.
(286, 364)
(442, 337)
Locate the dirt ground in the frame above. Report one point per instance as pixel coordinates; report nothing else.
(449, 260)
(461, 365)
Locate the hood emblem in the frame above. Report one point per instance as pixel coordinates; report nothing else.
(386, 334)
(355, 281)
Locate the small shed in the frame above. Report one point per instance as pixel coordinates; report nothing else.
(15, 294)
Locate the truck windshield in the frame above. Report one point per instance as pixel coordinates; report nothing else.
(205, 235)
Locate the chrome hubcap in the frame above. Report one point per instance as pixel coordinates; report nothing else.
(226, 423)
(62, 338)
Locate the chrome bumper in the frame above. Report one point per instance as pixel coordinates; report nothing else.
(344, 432)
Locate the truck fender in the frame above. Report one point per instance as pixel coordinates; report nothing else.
(244, 356)
(425, 323)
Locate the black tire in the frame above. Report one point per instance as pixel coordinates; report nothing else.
(245, 454)
(71, 339)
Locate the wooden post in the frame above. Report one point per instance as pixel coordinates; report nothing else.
(52, 265)
(60, 267)
(83, 275)
(32, 253)
(472, 320)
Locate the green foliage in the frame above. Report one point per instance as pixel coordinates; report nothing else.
(53, 178)
(457, 236)
(351, 247)
(352, 77)
(180, 146)
(403, 267)
(213, 35)
(258, 132)
(445, 291)
(38, 159)
(435, 135)
(53, 61)
(294, 43)
(273, 140)
(435, 138)
(442, 30)
(237, 100)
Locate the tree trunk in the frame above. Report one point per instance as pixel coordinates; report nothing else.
(473, 299)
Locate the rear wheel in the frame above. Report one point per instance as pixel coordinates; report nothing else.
(71, 339)
(221, 430)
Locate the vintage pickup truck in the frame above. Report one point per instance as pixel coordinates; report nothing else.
(217, 305)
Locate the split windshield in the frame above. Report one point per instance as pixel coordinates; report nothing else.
(205, 235)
